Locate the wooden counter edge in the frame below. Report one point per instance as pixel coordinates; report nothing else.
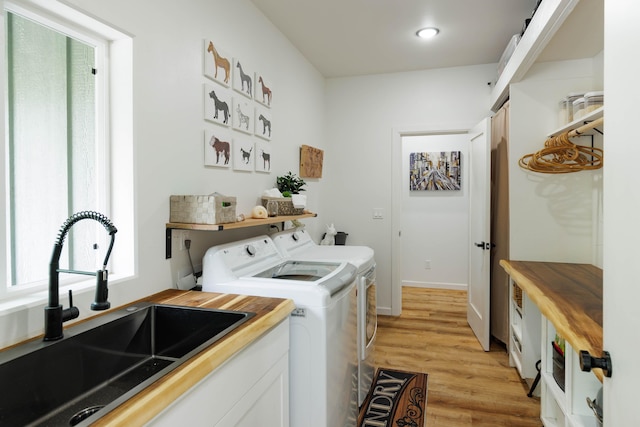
(553, 313)
(144, 406)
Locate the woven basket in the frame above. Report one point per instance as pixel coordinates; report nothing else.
(285, 205)
(517, 295)
(212, 209)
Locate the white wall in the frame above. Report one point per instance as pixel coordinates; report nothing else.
(362, 113)
(435, 224)
(622, 201)
(169, 127)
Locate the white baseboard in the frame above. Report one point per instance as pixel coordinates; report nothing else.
(435, 285)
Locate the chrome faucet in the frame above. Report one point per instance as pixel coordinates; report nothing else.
(54, 315)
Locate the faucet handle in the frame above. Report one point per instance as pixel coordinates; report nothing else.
(72, 312)
(102, 292)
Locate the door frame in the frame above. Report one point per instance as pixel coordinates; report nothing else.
(398, 132)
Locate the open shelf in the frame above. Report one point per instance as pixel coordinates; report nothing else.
(590, 117)
(249, 222)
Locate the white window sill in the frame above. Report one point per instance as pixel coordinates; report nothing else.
(24, 300)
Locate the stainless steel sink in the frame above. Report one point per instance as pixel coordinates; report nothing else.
(103, 362)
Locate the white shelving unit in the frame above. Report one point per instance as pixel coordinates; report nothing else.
(566, 408)
(524, 333)
(550, 299)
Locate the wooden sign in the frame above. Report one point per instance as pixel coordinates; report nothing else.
(311, 162)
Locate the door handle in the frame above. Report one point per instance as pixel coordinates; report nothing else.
(486, 246)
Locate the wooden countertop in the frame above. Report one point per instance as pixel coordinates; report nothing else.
(151, 401)
(569, 296)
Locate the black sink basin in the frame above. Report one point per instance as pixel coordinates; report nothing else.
(103, 362)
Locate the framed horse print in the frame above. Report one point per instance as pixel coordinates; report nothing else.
(242, 117)
(243, 153)
(263, 90)
(263, 123)
(242, 78)
(263, 156)
(217, 148)
(217, 105)
(217, 64)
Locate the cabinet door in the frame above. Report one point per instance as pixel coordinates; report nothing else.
(266, 404)
(249, 389)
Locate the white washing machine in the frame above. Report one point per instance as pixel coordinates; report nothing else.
(323, 352)
(297, 244)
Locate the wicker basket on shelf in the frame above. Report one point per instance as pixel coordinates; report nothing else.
(285, 205)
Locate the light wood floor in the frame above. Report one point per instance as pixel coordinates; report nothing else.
(466, 386)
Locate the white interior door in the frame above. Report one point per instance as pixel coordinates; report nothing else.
(479, 297)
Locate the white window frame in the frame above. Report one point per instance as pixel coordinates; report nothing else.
(115, 125)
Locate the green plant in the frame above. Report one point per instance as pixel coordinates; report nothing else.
(290, 184)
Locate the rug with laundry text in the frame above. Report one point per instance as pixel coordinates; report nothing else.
(396, 399)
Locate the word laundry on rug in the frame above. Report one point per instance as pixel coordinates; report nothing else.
(396, 399)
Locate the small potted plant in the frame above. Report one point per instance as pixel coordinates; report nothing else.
(290, 184)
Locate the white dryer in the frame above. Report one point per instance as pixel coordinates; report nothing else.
(323, 352)
(297, 244)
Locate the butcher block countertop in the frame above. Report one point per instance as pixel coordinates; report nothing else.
(569, 296)
(148, 403)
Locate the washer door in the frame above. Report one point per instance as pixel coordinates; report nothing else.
(370, 325)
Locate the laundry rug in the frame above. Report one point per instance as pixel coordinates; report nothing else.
(396, 399)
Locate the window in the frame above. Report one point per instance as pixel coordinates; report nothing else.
(54, 149)
(58, 77)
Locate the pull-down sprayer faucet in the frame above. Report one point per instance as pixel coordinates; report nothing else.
(54, 315)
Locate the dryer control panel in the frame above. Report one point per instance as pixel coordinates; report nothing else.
(246, 256)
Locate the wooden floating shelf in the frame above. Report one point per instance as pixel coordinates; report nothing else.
(249, 222)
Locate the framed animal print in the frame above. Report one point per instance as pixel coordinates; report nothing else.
(263, 156)
(243, 78)
(434, 171)
(242, 117)
(263, 90)
(263, 123)
(217, 105)
(217, 64)
(217, 148)
(243, 153)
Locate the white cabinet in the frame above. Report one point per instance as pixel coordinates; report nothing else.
(568, 407)
(557, 299)
(524, 332)
(250, 389)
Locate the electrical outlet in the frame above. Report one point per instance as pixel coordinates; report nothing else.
(378, 213)
(182, 235)
(427, 264)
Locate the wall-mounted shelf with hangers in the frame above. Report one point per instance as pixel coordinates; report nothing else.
(585, 125)
(561, 155)
(249, 222)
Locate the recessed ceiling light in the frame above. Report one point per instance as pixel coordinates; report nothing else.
(427, 33)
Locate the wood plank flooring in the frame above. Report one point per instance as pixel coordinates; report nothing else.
(466, 386)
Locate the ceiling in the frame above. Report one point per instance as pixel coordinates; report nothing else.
(358, 37)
